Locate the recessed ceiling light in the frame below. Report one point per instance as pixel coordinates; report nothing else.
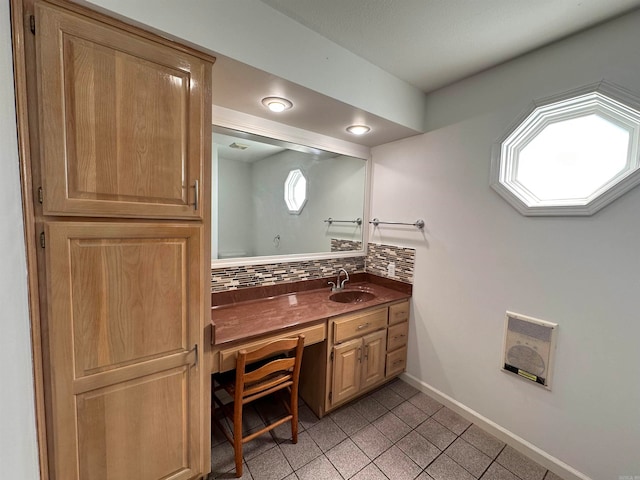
(358, 129)
(277, 104)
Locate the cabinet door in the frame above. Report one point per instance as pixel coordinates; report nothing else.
(125, 391)
(123, 120)
(347, 365)
(373, 358)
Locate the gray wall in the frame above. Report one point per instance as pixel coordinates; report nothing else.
(235, 208)
(255, 34)
(479, 257)
(18, 448)
(335, 188)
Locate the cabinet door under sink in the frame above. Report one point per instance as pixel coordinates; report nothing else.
(373, 358)
(347, 359)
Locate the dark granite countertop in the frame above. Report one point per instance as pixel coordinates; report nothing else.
(251, 318)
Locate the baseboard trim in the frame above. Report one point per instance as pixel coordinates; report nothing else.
(551, 463)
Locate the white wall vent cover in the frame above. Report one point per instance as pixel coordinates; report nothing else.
(529, 347)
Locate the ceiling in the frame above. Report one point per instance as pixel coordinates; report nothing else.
(241, 87)
(432, 43)
(425, 43)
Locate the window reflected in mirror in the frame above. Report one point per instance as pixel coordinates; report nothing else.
(295, 191)
(253, 218)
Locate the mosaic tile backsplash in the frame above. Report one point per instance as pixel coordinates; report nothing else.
(379, 256)
(338, 245)
(232, 278)
(269, 274)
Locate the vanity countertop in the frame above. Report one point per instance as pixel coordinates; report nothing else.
(252, 318)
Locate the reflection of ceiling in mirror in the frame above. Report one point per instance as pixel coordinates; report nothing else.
(255, 150)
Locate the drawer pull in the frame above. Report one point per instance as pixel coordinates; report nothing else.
(397, 362)
(364, 325)
(402, 335)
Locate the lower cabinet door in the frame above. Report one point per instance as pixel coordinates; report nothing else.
(124, 392)
(347, 358)
(374, 346)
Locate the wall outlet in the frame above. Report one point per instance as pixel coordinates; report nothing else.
(391, 269)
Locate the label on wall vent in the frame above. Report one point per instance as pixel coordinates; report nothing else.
(522, 373)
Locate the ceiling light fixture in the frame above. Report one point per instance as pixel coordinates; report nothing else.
(277, 104)
(358, 129)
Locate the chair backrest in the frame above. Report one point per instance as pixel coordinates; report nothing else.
(276, 374)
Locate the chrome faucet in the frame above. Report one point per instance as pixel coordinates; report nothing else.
(336, 287)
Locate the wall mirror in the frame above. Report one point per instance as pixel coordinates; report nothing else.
(252, 217)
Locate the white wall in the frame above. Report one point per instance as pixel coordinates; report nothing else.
(18, 447)
(479, 257)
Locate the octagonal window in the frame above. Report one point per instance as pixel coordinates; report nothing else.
(295, 191)
(571, 156)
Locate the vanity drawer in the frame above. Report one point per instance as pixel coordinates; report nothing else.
(314, 334)
(397, 336)
(399, 313)
(396, 362)
(357, 325)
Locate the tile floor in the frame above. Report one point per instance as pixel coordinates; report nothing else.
(395, 433)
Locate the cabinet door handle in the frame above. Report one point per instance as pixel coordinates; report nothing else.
(397, 362)
(196, 194)
(364, 325)
(359, 354)
(366, 352)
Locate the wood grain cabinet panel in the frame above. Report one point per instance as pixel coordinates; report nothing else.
(396, 362)
(123, 322)
(155, 407)
(398, 313)
(366, 349)
(397, 336)
(351, 326)
(121, 119)
(357, 364)
(347, 368)
(373, 358)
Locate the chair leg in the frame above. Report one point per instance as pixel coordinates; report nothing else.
(294, 419)
(237, 438)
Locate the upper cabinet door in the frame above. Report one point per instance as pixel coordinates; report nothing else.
(124, 121)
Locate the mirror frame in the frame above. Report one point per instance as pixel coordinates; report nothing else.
(243, 122)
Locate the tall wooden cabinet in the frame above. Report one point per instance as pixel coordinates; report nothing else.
(118, 168)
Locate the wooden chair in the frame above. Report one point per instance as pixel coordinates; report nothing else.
(255, 380)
